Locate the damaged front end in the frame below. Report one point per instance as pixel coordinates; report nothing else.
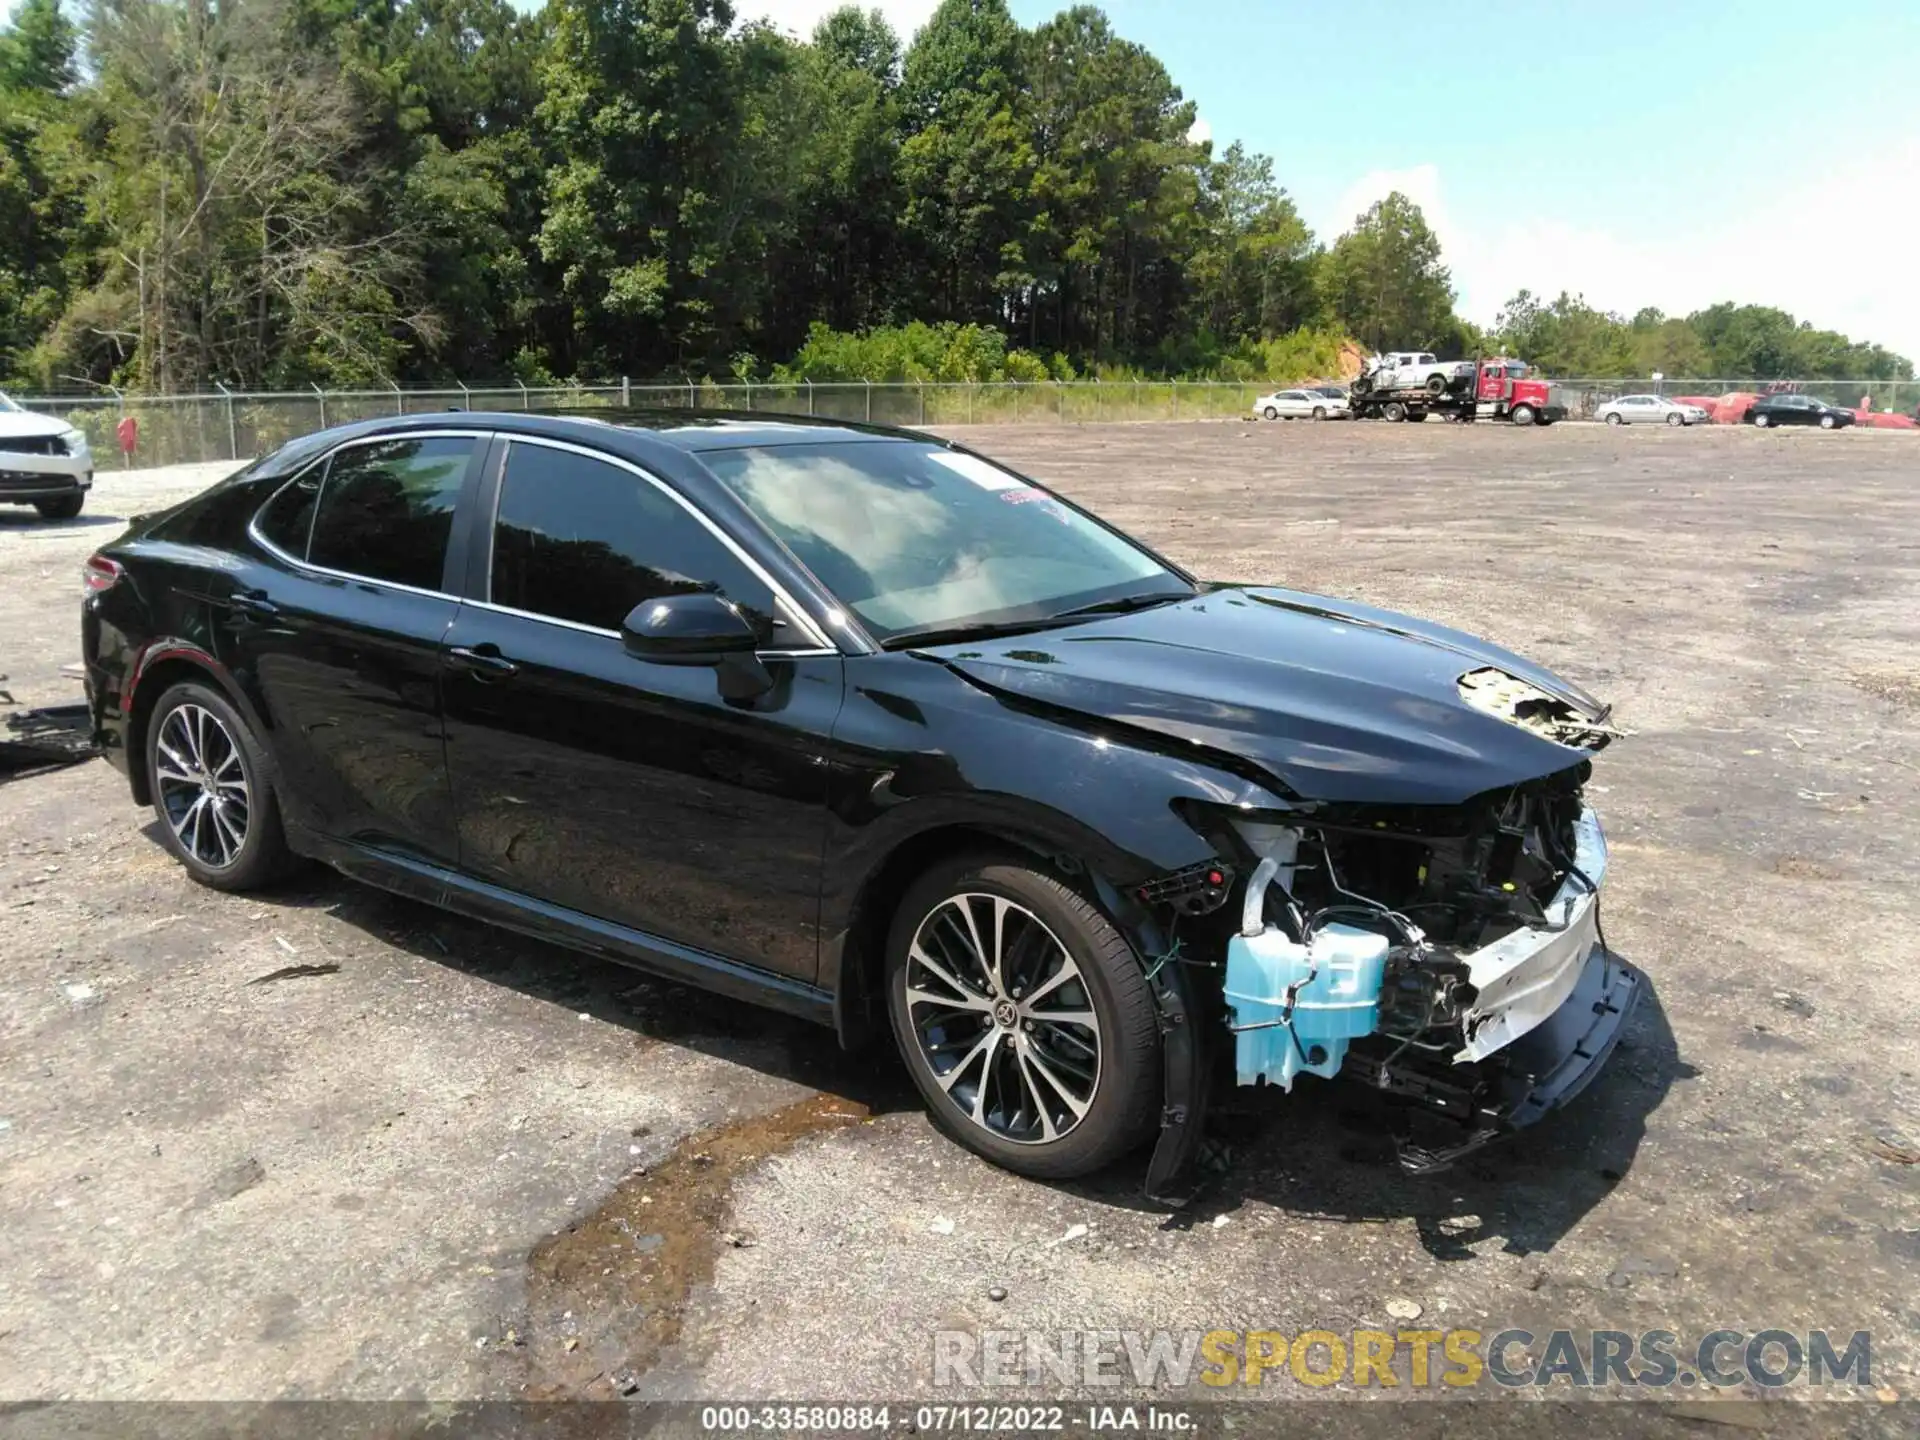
(1449, 958)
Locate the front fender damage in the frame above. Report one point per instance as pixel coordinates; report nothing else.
(1448, 958)
(1441, 948)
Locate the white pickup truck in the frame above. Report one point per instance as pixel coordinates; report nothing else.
(1413, 370)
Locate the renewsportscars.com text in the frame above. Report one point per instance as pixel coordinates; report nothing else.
(1390, 1359)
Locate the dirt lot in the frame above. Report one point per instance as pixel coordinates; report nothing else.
(449, 1163)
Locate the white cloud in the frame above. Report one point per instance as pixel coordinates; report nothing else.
(1200, 132)
(1829, 246)
(800, 16)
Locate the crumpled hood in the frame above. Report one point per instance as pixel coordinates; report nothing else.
(1338, 701)
(23, 425)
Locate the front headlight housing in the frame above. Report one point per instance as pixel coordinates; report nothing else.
(75, 442)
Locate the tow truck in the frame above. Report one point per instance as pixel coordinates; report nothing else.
(1495, 388)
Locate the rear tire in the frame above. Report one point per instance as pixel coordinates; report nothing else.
(1052, 1099)
(212, 793)
(1616, 419)
(1271, 413)
(63, 508)
(1393, 410)
(1761, 420)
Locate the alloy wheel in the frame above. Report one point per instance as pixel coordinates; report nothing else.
(201, 778)
(1003, 1018)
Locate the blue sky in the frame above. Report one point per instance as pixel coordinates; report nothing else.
(1645, 153)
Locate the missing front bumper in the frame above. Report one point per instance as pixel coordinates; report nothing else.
(1468, 1107)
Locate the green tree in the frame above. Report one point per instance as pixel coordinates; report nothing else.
(1116, 188)
(1566, 337)
(1254, 266)
(1384, 281)
(966, 165)
(36, 52)
(46, 241)
(856, 39)
(835, 109)
(640, 112)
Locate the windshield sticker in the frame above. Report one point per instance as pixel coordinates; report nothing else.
(970, 467)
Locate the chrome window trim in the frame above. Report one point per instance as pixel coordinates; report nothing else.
(253, 521)
(821, 643)
(809, 654)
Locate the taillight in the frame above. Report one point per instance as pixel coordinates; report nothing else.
(100, 574)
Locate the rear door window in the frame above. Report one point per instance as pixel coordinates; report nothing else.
(385, 510)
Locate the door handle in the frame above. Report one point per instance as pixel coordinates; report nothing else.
(252, 605)
(483, 662)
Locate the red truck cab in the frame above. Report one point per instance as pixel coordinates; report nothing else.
(1505, 393)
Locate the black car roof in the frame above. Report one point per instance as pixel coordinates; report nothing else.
(640, 434)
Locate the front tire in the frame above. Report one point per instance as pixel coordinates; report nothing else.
(1827, 422)
(1436, 384)
(1319, 412)
(65, 507)
(1676, 420)
(1761, 421)
(1523, 415)
(1023, 1016)
(209, 778)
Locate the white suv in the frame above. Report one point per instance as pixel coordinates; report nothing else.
(1415, 370)
(44, 462)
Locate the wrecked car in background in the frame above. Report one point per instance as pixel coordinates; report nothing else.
(861, 725)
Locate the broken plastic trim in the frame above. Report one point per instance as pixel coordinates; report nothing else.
(1184, 1067)
(1523, 977)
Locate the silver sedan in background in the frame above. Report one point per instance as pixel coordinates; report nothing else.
(1322, 403)
(1650, 410)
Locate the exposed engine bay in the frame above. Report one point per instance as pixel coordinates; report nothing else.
(1449, 958)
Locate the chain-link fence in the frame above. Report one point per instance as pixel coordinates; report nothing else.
(225, 425)
(230, 425)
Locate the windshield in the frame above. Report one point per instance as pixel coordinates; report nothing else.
(915, 538)
(7, 406)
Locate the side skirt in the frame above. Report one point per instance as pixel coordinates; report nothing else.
(436, 885)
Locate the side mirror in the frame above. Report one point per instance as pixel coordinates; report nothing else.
(697, 628)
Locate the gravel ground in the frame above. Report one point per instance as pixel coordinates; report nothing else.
(392, 1176)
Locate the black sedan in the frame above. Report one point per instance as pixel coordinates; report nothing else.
(1797, 410)
(863, 726)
